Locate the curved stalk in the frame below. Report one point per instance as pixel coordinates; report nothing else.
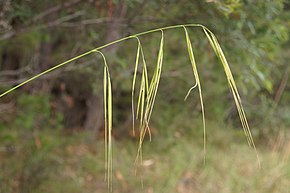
(92, 51)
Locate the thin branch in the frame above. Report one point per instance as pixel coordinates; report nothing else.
(64, 22)
(63, 19)
(7, 107)
(8, 35)
(11, 82)
(55, 9)
(57, 22)
(15, 72)
(282, 86)
(93, 21)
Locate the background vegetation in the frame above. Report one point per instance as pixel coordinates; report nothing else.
(51, 130)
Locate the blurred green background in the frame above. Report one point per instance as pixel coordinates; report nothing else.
(51, 130)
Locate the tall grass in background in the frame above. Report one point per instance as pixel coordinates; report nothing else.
(143, 103)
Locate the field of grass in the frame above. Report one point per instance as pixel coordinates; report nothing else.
(54, 162)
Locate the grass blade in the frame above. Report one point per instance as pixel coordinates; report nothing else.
(108, 115)
(194, 68)
(133, 86)
(151, 96)
(219, 52)
(105, 120)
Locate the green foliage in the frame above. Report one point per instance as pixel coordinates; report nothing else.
(21, 11)
(171, 163)
(272, 117)
(254, 34)
(34, 110)
(228, 7)
(28, 163)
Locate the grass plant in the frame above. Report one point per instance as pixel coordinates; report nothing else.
(148, 89)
